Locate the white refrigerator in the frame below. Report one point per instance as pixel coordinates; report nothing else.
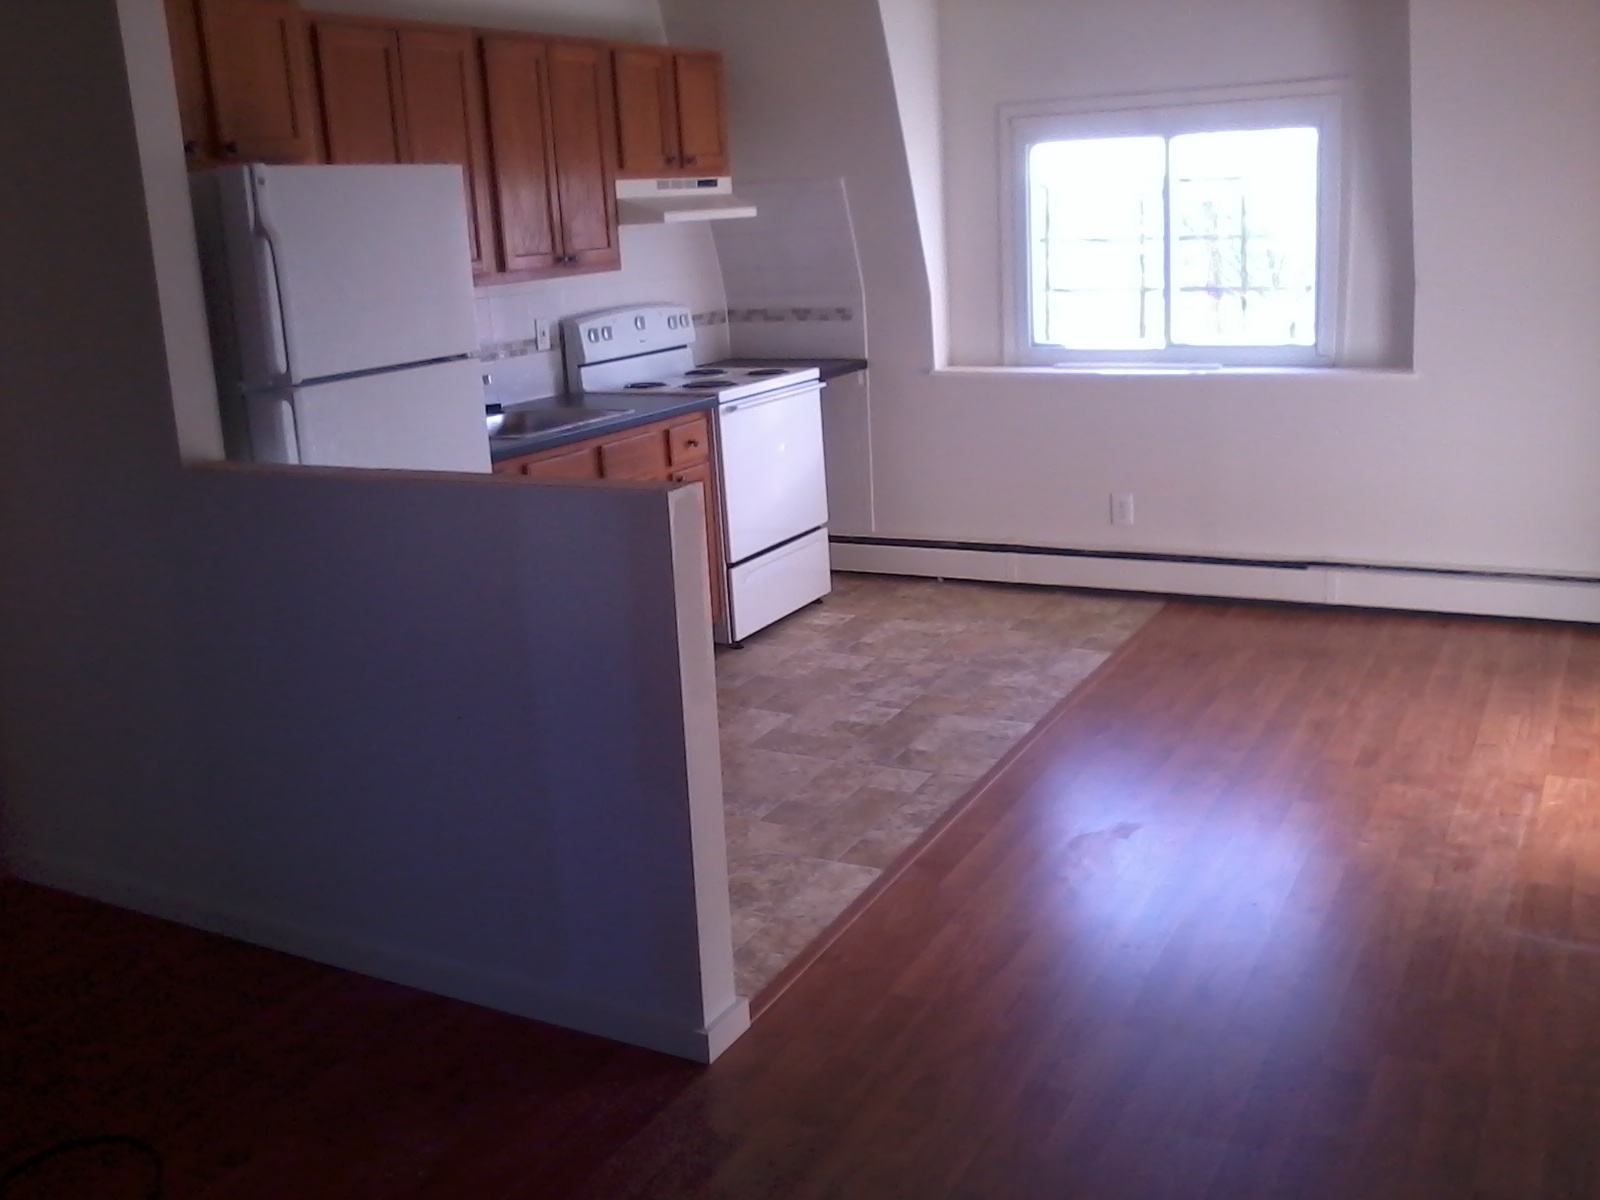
(341, 312)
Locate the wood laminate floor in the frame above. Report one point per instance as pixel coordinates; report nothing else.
(1284, 903)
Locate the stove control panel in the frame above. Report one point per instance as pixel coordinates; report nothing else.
(624, 332)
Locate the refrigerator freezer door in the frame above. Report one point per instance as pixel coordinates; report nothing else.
(371, 265)
(420, 418)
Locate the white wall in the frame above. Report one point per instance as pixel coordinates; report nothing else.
(454, 730)
(1008, 52)
(810, 99)
(913, 36)
(1480, 458)
(811, 102)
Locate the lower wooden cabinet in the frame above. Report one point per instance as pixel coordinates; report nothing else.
(640, 456)
(674, 451)
(579, 462)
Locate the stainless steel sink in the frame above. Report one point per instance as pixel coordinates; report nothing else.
(526, 422)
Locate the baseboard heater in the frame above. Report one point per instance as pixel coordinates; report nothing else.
(1544, 595)
(1221, 560)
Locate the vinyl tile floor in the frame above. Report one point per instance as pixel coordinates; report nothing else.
(849, 727)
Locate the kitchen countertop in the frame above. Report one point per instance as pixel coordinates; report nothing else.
(642, 410)
(643, 407)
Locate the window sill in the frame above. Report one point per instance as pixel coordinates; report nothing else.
(1144, 371)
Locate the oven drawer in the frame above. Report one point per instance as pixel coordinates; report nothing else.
(775, 584)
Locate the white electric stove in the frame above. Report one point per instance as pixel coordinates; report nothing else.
(768, 435)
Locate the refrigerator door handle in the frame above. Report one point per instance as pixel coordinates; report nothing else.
(272, 280)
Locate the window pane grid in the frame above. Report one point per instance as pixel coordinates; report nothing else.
(1152, 243)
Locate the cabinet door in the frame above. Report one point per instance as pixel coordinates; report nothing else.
(259, 73)
(702, 122)
(516, 82)
(580, 463)
(701, 473)
(444, 120)
(358, 71)
(689, 443)
(581, 122)
(647, 119)
(189, 74)
(640, 455)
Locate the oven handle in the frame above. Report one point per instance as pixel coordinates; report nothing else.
(794, 389)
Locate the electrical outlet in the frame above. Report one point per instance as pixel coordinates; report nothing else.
(541, 334)
(1122, 508)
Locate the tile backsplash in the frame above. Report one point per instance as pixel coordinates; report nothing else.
(660, 263)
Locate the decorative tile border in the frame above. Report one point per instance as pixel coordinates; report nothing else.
(759, 316)
(494, 351)
(498, 350)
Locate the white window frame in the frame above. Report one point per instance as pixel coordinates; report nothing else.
(1304, 103)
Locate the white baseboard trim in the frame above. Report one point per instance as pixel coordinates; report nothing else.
(1355, 586)
(491, 988)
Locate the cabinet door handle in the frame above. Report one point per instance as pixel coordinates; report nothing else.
(231, 148)
(691, 441)
(191, 148)
(689, 160)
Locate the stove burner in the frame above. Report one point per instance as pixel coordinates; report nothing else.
(644, 383)
(704, 384)
(706, 371)
(760, 371)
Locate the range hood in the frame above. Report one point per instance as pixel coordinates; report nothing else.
(656, 201)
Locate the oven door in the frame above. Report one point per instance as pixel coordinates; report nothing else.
(773, 484)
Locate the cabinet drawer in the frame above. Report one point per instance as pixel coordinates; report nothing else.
(580, 462)
(689, 443)
(641, 456)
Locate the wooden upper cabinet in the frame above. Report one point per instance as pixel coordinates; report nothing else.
(702, 116)
(670, 114)
(363, 108)
(402, 93)
(550, 137)
(516, 79)
(189, 74)
(647, 113)
(445, 123)
(581, 125)
(258, 80)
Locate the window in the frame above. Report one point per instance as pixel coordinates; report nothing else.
(1201, 233)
